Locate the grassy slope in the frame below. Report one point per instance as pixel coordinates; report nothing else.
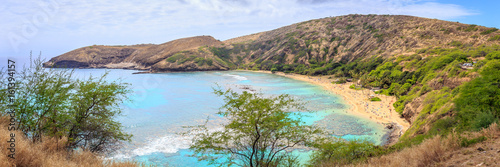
(50, 152)
(452, 150)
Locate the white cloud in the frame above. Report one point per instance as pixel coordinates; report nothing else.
(143, 15)
(157, 21)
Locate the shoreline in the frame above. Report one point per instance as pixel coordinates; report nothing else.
(381, 112)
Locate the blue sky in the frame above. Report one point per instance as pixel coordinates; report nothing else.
(58, 26)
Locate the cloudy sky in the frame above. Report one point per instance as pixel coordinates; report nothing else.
(58, 26)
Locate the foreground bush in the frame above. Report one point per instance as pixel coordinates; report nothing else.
(52, 103)
(50, 152)
(261, 132)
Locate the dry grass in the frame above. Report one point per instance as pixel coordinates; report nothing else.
(485, 153)
(431, 151)
(49, 153)
(422, 155)
(437, 151)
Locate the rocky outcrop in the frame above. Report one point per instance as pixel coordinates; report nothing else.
(412, 109)
(440, 82)
(395, 133)
(141, 57)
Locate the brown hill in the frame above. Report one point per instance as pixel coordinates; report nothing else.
(347, 38)
(135, 56)
(338, 39)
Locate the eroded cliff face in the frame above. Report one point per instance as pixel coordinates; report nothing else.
(412, 109)
(92, 56)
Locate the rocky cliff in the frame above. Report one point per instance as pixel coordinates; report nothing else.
(141, 57)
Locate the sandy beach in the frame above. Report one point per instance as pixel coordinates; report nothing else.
(382, 112)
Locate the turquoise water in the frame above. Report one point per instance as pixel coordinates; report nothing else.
(161, 103)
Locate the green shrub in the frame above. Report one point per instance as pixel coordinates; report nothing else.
(273, 70)
(466, 142)
(354, 87)
(183, 60)
(494, 38)
(171, 60)
(493, 55)
(222, 52)
(375, 99)
(407, 142)
(445, 60)
(380, 37)
(209, 61)
(340, 80)
(471, 28)
(483, 120)
(456, 43)
(175, 57)
(53, 103)
(463, 74)
(443, 126)
(349, 27)
(477, 103)
(489, 31)
(344, 152)
(199, 61)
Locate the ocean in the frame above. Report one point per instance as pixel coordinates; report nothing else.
(161, 104)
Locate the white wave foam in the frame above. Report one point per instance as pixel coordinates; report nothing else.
(167, 144)
(171, 143)
(241, 78)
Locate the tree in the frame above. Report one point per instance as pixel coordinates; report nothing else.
(260, 131)
(41, 101)
(273, 70)
(93, 108)
(493, 55)
(396, 90)
(339, 152)
(53, 103)
(478, 103)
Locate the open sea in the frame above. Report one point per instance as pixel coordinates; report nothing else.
(162, 103)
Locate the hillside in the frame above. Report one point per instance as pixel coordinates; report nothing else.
(312, 43)
(347, 38)
(350, 46)
(443, 74)
(133, 57)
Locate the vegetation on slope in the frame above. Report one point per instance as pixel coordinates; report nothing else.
(431, 94)
(427, 76)
(444, 74)
(317, 47)
(446, 150)
(52, 105)
(50, 151)
(142, 57)
(314, 47)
